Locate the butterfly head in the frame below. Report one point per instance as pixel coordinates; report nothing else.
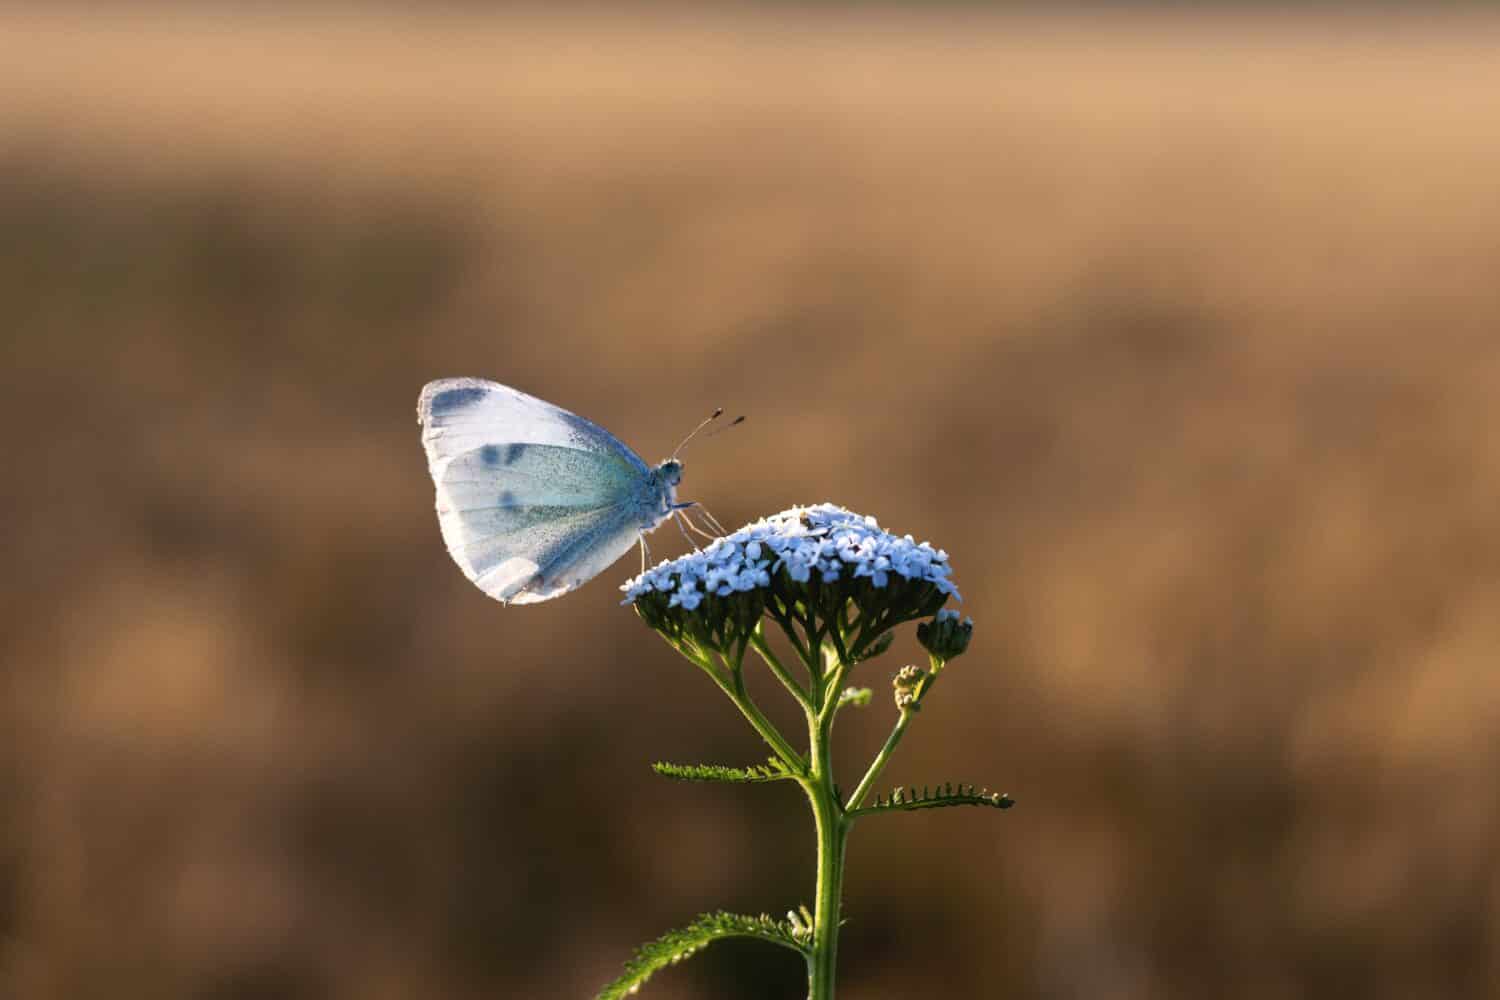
(670, 472)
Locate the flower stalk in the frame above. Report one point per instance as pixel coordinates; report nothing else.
(836, 586)
(833, 833)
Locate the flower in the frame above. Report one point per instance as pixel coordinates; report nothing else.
(803, 566)
(825, 538)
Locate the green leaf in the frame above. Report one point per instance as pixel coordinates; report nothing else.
(858, 697)
(936, 797)
(771, 770)
(674, 946)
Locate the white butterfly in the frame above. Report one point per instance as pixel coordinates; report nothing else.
(534, 501)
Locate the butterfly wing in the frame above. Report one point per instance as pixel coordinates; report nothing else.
(532, 500)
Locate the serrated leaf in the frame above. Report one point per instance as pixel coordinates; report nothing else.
(858, 697)
(936, 797)
(771, 770)
(677, 945)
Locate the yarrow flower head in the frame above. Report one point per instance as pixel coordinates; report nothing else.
(820, 563)
(836, 587)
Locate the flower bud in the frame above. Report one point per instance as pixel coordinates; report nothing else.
(945, 636)
(908, 683)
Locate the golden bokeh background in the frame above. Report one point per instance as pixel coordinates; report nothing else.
(1181, 332)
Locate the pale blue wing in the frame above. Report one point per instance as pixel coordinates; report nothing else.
(520, 527)
(529, 554)
(534, 475)
(532, 500)
(569, 553)
(460, 414)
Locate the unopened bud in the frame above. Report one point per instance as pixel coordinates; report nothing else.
(946, 636)
(908, 684)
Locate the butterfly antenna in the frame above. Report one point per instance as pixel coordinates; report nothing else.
(707, 420)
(733, 423)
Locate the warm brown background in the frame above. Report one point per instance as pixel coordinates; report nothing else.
(1181, 334)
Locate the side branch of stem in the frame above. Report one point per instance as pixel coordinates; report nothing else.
(731, 680)
(878, 764)
(758, 640)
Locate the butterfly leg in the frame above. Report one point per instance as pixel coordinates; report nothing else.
(681, 509)
(698, 530)
(645, 552)
(681, 519)
(713, 522)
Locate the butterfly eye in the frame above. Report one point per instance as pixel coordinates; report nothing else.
(671, 472)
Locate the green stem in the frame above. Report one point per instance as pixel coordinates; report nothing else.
(899, 730)
(836, 636)
(833, 832)
(758, 640)
(734, 686)
(832, 685)
(763, 725)
(784, 618)
(878, 764)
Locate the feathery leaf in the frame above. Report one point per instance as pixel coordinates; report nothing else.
(771, 770)
(936, 797)
(676, 945)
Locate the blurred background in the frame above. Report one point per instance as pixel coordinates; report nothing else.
(1180, 331)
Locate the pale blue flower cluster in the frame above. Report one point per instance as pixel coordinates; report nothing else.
(825, 539)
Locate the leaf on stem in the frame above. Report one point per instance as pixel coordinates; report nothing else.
(936, 797)
(676, 945)
(771, 770)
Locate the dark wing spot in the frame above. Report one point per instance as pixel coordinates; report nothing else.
(507, 500)
(455, 399)
(490, 455)
(513, 452)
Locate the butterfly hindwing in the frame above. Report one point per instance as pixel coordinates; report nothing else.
(518, 526)
(590, 547)
(542, 553)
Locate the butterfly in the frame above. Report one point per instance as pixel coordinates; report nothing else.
(534, 501)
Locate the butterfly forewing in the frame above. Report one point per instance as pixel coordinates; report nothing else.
(460, 414)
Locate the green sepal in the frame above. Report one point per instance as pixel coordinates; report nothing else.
(936, 797)
(771, 770)
(674, 946)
